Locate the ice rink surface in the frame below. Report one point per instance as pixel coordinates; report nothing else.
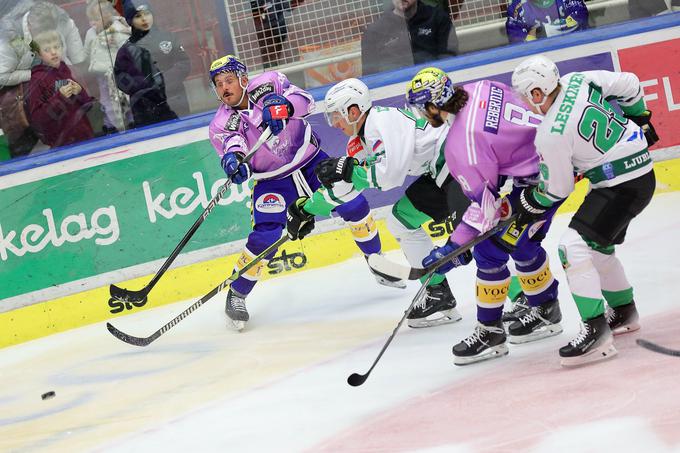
(280, 386)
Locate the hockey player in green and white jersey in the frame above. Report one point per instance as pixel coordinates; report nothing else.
(583, 133)
(386, 144)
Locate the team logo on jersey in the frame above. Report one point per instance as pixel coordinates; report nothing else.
(270, 203)
(493, 112)
(355, 147)
(261, 91)
(233, 122)
(165, 46)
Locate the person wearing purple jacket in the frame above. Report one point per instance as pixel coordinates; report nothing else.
(532, 19)
(491, 138)
(283, 168)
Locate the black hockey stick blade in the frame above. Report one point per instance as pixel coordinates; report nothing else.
(130, 339)
(658, 348)
(145, 341)
(382, 264)
(129, 295)
(356, 379)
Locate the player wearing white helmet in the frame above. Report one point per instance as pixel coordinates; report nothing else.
(583, 133)
(385, 146)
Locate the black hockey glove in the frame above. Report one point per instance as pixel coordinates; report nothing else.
(334, 170)
(299, 223)
(643, 121)
(527, 208)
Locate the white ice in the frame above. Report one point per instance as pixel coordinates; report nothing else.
(281, 386)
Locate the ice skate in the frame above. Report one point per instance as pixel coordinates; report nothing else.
(436, 308)
(623, 319)
(235, 308)
(594, 343)
(518, 308)
(539, 322)
(486, 342)
(386, 280)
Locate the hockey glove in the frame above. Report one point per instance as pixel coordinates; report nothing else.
(299, 223)
(233, 166)
(527, 208)
(643, 121)
(330, 171)
(276, 110)
(447, 249)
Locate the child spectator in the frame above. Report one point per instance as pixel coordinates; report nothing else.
(151, 68)
(533, 19)
(107, 34)
(57, 104)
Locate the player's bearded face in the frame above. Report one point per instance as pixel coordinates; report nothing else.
(228, 87)
(433, 116)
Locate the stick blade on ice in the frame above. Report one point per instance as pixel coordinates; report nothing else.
(386, 266)
(356, 379)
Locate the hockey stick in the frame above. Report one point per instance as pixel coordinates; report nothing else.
(129, 295)
(145, 341)
(382, 264)
(356, 379)
(657, 348)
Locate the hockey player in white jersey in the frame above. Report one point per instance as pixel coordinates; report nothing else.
(583, 133)
(386, 144)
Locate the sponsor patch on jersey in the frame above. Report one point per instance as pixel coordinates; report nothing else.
(355, 147)
(233, 122)
(493, 113)
(165, 46)
(260, 92)
(270, 203)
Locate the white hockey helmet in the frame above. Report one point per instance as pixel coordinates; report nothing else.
(345, 94)
(535, 72)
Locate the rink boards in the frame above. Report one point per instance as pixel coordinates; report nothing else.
(80, 224)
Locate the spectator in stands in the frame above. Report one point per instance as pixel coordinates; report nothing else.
(645, 8)
(151, 68)
(107, 34)
(270, 26)
(411, 33)
(15, 71)
(43, 16)
(58, 104)
(532, 19)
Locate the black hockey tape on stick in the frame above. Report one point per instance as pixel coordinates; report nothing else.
(129, 295)
(396, 270)
(145, 341)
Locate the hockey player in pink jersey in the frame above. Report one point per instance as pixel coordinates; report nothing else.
(490, 139)
(283, 168)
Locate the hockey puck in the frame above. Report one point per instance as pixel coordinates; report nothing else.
(48, 395)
